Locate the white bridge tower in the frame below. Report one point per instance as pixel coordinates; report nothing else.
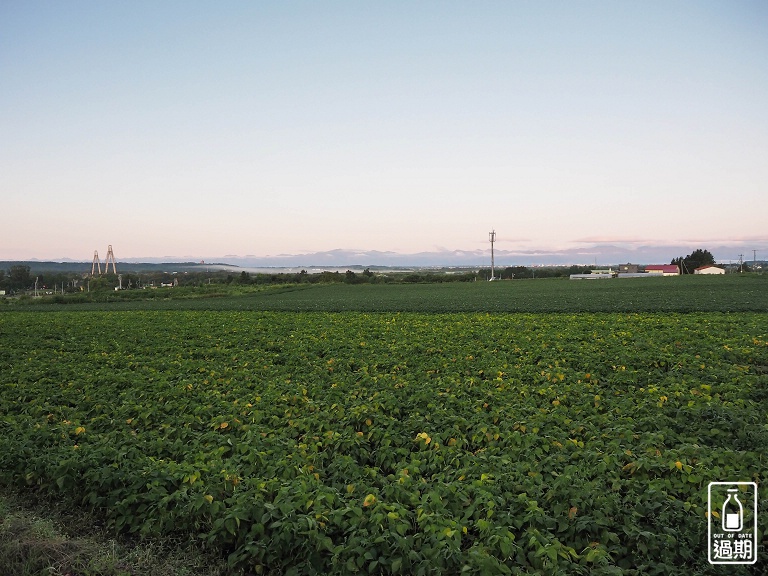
(96, 266)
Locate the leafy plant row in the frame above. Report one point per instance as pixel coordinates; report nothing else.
(318, 443)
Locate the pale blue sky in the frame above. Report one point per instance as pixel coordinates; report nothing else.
(212, 128)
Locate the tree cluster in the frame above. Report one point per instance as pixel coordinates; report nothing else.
(695, 259)
(349, 277)
(21, 278)
(18, 277)
(521, 272)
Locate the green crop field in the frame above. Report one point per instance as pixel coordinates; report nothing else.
(684, 294)
(551, 441)
(731, 293)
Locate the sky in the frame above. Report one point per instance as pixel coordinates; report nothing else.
(188, 129)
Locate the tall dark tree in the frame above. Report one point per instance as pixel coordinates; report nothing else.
(695, 259)
(19, 277)
(516, 272)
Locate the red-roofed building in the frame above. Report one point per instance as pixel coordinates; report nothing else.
(663, 269)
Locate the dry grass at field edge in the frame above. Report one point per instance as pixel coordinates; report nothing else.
(41, 538)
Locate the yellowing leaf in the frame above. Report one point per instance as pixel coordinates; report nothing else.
(208, 498)
(224, 425)
(423, 436)
(79, 430)
(370, 500)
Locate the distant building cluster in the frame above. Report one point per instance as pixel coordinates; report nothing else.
(648, 271)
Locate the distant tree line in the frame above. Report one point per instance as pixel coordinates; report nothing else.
(349, 277)
(20, 278)
(523, 272)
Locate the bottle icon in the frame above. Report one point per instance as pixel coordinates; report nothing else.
(733, 512)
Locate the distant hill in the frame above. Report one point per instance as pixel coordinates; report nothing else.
(603, 254)
(85, 267)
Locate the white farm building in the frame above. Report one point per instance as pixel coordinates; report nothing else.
(709, 270)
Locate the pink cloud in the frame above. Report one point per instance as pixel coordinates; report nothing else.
(612, 240)
(729, 239)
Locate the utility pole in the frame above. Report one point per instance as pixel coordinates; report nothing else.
(492, 238)
(741, 263)
(754, 260)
